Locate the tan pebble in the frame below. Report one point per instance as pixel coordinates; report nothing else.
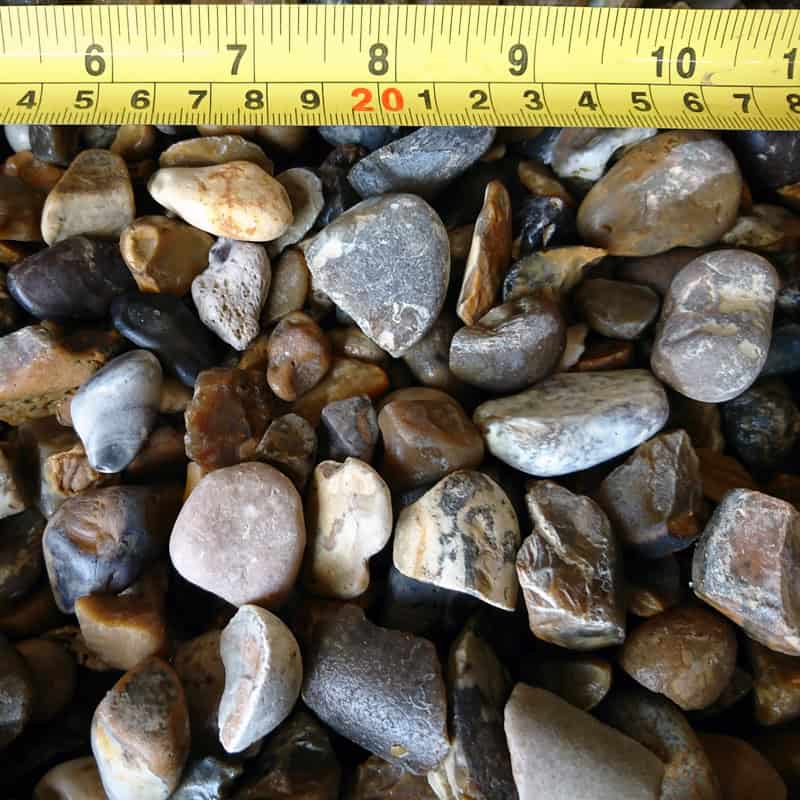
(94, 197)
(652, 585)
(299, 356)
(209, 150)
(237, 199)
(574, 347)
(289, 288)
(134, 142)
(54, 675)
(288, 138)
(78, 779)
(351, 342)
(776, 685)
(163, 254)
(20, 210)
(540, 181)
(743, 773)
(37, 174)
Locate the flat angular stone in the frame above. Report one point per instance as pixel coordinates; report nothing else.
(237, 200)
(206, 151)
(140, 734)
(679, 188)
(376, 779)
(744, 566)
(713, 336)
(570, 572)
(231, 292)
(74, 279)
(240, 535)
(742, 771)
(423, 162)
(349, 520)
(686, 653)
(290, 445)
(299, 356)
(348, 258)
(208, 778)
(379, 688)
(163, 324)
(263, 676)
(117, 408)
(305, 194)
(94, 198)
(463, 535)
(350, 341)
(513, 346)
(16, 691)
(560, 752)
(351, 428)
(775, 685)
(78, 779)
(572, 421)
(655, 499)
(617, 309)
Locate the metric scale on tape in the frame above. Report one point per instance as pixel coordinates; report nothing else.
(400, 65)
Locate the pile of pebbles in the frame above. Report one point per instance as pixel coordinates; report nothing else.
(455, 463)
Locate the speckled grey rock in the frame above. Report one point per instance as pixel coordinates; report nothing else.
(394, 307)
(713, 336)
(423, 162)
(114, 412)
(351, 427)
(379, 688)
(572, 421)
(369, 136)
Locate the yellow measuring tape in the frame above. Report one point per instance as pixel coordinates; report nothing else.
(400, 65)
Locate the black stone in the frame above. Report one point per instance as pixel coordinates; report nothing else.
(768, 158)
(10, 312)
(784, 351)
(56, 144)
(339, 194)
(539, 147)
(20, 553)
(543, 222)
(208, 778)
(163, 324)
(762, 425)
(370, 137)
(74, 279)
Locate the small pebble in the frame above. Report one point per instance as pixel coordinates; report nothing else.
(351, 428)
(570, 422)
(78, 779)
(617, 309)
(207, 151)
(776, 678)
(140, 734)
(772, 157)
(721, 473)
(582, 681)
(299, 356)
(289, 286)
(583, 153)
(55, 144)
(134, 142)
(544, 222)
(743, 773)
(570, 571)
(305, 194)
(263, 676)
(657, 272)
(54, 674)
(237, 200)
(208, 778)
(351, 342)
(429, 358)
(653, 585)
(21, 560)
(17, 693)
(338, 192)
(349, 518)
(290, 444)
(369, 136)
(702, 421)
(13, 491)
(376, 779)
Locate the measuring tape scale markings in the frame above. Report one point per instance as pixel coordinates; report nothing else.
(400, 65)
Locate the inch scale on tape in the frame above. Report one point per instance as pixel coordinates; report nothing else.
(400, 65)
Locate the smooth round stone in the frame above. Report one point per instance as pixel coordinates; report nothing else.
(513, 346)
(230, 294)
(544, 222)
(570, 571)
(209, 150)
(560, 752)
(656, 271)
(18, 137)
(426, 435)
(462, 535)
(17, 693)
(241, 535)
(237, 200)
(347, 259)
(687, 654)
(784, 351)
(583, 153)
(114, 412)
(102, 539)
(776, 678)
(616, 309)
(714, 333)
(743, 773)
(429, 358)
(762, 425)
(74, 279)
(678, 188)
(263, 676)
(163, 324)
(572, 421)
(369, 136)
(422, 163)
(208, 778)
(582, 681)
(299, 356)
(288, 288)
(305, 194)
(78, 779)
(95, 198)
(54, 674)
(381, 689)
(770, 158)
(21, 559)
(140, 734)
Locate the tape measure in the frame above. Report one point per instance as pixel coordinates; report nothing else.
(400, 65)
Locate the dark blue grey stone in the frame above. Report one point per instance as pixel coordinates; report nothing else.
(784, 351)
(369, 136)
(768, 158)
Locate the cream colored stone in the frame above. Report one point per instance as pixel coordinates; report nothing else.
(208, 150)
(78, 779)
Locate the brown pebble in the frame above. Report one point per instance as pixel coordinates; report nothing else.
(617, 309)
(781, 748)
(163, 452)
(776, 685)
(353, 343)
(54, 675)
(17, 693)
(605, 354)
(540, 181)
(134, 142)
(702, 421)
(32, 614)
(291, 283)
(657, 271)
(376, 779)
(78, 779)
(20, 210)
(582, 681)
(290, 444)
(721, 473)
(652, 585)
(743, 773)
(36, 173)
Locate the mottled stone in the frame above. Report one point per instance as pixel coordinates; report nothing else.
(686, 653)
(231, 292)
(423, 162)
(572, 421)
(163, 324)
(240, 535)
(657, 724)
(74, 279)
(102, 539)
(583, 681)
(617, 309)
(744, 566)
(560, 752)
(17, 698)
(237, 200)
(429, 358)
(347, 260)
(290, 444)
(677, 188)
(54, 675)
(583, 153)
(116, 409)
(713, 336)
(164, 254)
(305, 195)
(653, 585)
(462, 535)
(544, 222)
(289, 287)
(513, 346)
(208, 778)
(376, 779)
(379, 688)
(209, 150)
(776, 678)
(656, 271)
(570, 572)
(299, 356)
(56, 144)
(140, 734)
(478, 764)
(21, 559)
(94, 198)
(743, 773)
(426, 435)
(351, 428)
(489, 255)
(349, 518)
(78, 779)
